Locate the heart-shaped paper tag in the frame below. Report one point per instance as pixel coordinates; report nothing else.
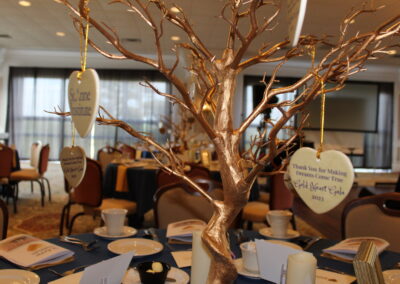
(83, 99)
(73, 164)
(321, 183)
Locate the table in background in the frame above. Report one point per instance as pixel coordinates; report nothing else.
(142, 184)
(388, 259)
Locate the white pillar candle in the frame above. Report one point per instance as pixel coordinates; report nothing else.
(201, 260)
(301, 268)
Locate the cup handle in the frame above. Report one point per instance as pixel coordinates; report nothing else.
(268, 219)
(103, 217)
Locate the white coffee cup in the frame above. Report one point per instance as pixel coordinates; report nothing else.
(114, 219)
(279, 221)
(249, 256)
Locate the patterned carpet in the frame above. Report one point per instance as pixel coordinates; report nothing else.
(43, 222)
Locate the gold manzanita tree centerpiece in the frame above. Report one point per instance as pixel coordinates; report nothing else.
(215, 77)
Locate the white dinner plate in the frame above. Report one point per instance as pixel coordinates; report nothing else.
(131, 277)
(141, 247)
(242, 271)
(126, 232)
(392, 276)
(181, 277)
(283, 243)
(267, 232)
(18, 276)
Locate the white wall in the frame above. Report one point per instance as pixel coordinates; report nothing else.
(42, 58)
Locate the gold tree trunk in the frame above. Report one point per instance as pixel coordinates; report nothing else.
(216, 78)
(236, 189)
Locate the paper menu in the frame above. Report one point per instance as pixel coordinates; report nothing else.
(348, 248)
(29, 251)
(110, 271)
(272, 259)
(329, 277)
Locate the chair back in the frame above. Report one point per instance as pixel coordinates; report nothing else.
(196, 171)
(44, 159)
(89, 191)
(127, 151)
(281, 198)
(374, 216)
(174, 202)
(6, 161)
(3, 220)
(35, 154)
(106, 155)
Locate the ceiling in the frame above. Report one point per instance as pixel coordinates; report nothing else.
(35, 27)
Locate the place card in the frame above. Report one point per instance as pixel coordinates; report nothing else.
(73, 164)
(83, 99)
(272, 259)
(182, 258)
(321, 183)
(109, 271)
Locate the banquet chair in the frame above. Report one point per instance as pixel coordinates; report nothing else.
(6, 166)
(177, 201)
(35, 175)
(3, 220)
(281, 198)
(127, 151)
(35, 154)
(89, 195)
(34, 158)
(165, 178)
(106, 155)
(374, 216)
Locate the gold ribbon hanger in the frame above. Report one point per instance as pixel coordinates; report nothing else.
(84, 39)
(311, 52)
(83, 47)
(322, 119)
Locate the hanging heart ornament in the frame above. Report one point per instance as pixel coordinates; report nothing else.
(321, 183)
(73, 164)
(83, 99)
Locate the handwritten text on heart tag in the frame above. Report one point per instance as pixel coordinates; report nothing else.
(73, 164)
(83, 99)
(321, 183)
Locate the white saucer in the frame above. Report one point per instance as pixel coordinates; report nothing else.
(391, 276)
(18, 276)
(126, 232)
(267, 232)
(141, 247)
(242, 271)
(181, 277)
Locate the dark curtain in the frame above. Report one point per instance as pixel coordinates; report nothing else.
(378, 145)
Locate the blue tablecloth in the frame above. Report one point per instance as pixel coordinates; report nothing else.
(388, 259)
(142, 185)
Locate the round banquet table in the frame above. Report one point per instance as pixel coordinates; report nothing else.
(388, 259)
(142, 184)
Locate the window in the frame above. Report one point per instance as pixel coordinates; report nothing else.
(32, 91)
(371, 119)
(253, 88)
